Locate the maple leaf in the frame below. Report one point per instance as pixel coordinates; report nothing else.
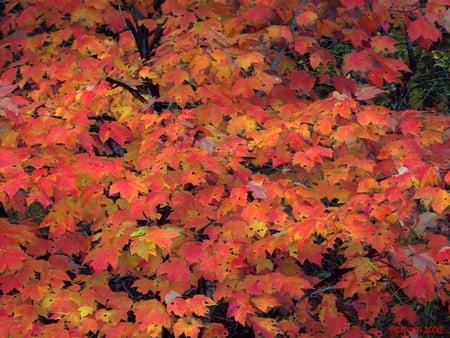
(410, 123)
(175, 271)
(248, 59)
(12, 259)
(199, 304)
(182, 94)
(128, 188)
(7, 103)
(376, 115)
(402, 312)
(257, 190)
(388, 70)
(351, 284)
(335, 322)
(151, 317)
(178, 306)
(421, 286)
(321, 56)
(163, 238)
(231, 65)
(143, 285)
(343, 84)
(210, 194)
(438, 199)
(15, 183)
(360, 61)
(309, 251)
(306, 18)
(357, 36)
(420, 261)
(261, 16)
(101, 257)
(12, 157)
(244, 87)
(301, 80)
(115, 131)
(265, 327)
(187, 326)
(366, 92)
(214, 330)
(303, 43)
(240, 308)
(422, 28)
(427, 220)
(311, 156)
(383, 44)
(265, 302)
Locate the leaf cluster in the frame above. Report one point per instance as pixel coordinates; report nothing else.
(210, 168)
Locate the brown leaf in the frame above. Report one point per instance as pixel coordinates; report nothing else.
(426, 220)
(257, 190)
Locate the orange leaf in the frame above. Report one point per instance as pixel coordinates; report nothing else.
(265, 327)
(240, 307)
(335, 322)
(209, 194)
(248, 59)
(163, 238)
(115, 131)
(174, 271)
(187, 326)
(306, 18)
(151, 317)
(128, 188)
(182, 94)
(265, 302)
(101, 257)
(199, 304)
(243, 87)
(438, 199)
(347, 133)
(178, 306)
(215, 330)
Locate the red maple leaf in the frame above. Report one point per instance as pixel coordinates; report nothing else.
(102, 257)
(175, 271)
(12, 259)
(422, 28)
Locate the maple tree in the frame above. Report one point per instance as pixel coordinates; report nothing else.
(201, 168)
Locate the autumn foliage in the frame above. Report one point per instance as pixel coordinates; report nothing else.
(216, 168)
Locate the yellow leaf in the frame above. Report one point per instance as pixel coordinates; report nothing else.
(146, 72)
(85, 310)
(265, 302)
(257, 228)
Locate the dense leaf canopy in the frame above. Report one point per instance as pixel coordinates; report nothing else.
(224, 168)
